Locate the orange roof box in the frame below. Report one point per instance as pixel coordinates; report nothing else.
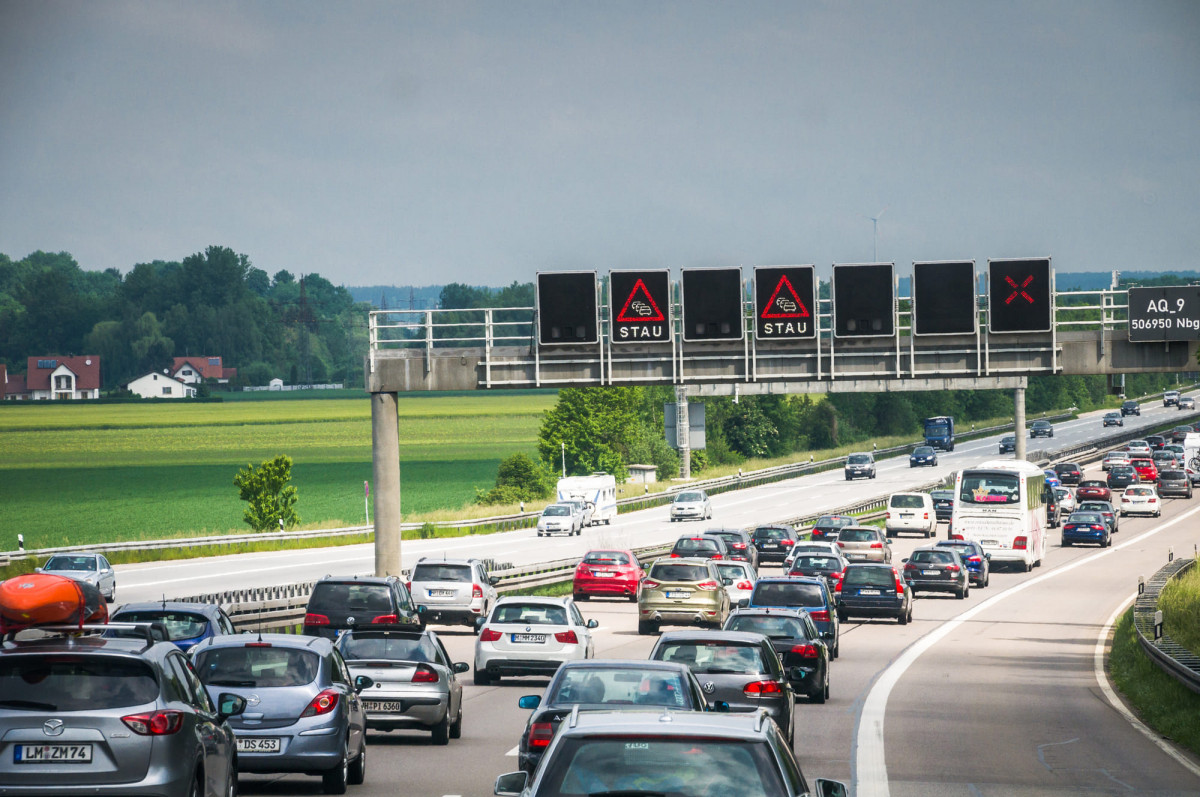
(39, 599)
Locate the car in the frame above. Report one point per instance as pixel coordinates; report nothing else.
(1008, 444)
(1113, 419)
(865, 543)
(185, 623)
(738, 668)
(1068, 472)
(1164, 457)
(1066, 501)
(452, 591)
(415, 683)
(1105, 509)
(774, 542)
(810, 594)
(860, 466)
(1086, 527)
(1138, 448)
(871, 589)
(1114, 458)
(704, 546)
(1093, 490)
(937, 570)
(691, 505)
(1130, 408)
(1177, 449)
(1186, 403)
(1174, 482)
(1141, 499)
(797, 642)
(910, 512)
(1041, 429)
(974, 559)
(826, 565)
(741, 547)
(1156, 442)
(719, 753)
(737, 578)
(338, 603)
(93, 568)
(828, 526)
(823, 547)
(684, 592)
(1170, 398)
(530, 635)
(922, 456)
(111, 715)
(604, 685)
(1052, 479)
(1179, 434)
(305, 713)
(607, 573)
(560, 519)
(1147, 471)
(1121, 476)
(1053, 508)
(943, 504)
(585, 510)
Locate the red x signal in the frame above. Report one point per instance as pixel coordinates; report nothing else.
(1019, 290)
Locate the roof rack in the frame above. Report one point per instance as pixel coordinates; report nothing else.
(150, 633)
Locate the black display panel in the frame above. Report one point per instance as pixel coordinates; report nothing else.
(640, 306)
(1164, 313)
(864, 300)
(712, 304)
(784, 302)
(566, 308)
(1019, 296)
(944, 298)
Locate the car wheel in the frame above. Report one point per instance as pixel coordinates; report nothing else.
(197, 788)
(441, 731)
(112, 595)
(334, 780)
(482, 678)
(456, 726)
(1158, 513)
(842, 617)
(1066, 543)
(819, 694)
(646, 627)
(837, 651)
(904, 617)
(987, 578)
(358, 767)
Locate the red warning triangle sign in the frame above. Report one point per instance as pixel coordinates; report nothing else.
(637, 310)
(786, 306)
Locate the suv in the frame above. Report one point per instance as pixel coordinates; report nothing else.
(341, 602)
(937, 570)
(774, 542)
(1130, 408)
(452, 591)
(111, 715)
(860, 466)
(800, 592)
(1171, 398)
(685, 591)
(704, 546)
(943, 504)
(828, 526)
(1068, 472)
(874, 590)
(740, 545)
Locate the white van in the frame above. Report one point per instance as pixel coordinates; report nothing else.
(911, 512)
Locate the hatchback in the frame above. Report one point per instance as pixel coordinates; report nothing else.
(943, 504)
(737, 578)
(824, 547)
(860, 466)
(974, 558)
(828, 526)
(1174, 482)
(922, 456)
(414, 681)
(874, 590)
(1113, 419)
(92, 568)
(1121, 476)
(1130, 408)
(703, 546)
(607, 574)
(810, 594)
(1086, 527)
(684, 592)
(1180, 433)
(1093, 490)
(741, 547)
(691, 505)
(1008, 444)
(1147, 471)
(1068, 472)
(1140, 499)
(185, 623)
(1066, 501)
(1156, 442)
(530, 635)
(340, 603)
(303, 711)
(828, 566)
(937, 570)
(1166, 460)
(796, 641)
(865, 543)
(911, 512)
(774, 542)
(1105, 509)
(452, 591)
(1114, 458)
(559, 519)
(1041, 429)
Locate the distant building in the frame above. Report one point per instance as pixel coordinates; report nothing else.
(156, 385)
(52, 378)
(3, 381)
(275, 384)
(13, 388)
(194, 369)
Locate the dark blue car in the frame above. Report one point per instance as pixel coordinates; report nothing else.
(922, 456)
(799, 592)
(185, 623)
(1086, 527)
(974, 559)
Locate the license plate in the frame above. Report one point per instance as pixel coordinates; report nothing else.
(989, 542)
(52, 754)
(869, 592)
(679, 594)
(383, 705)
(931, 572)
(441, 593)
(856, 556)
(259, 744)
(603, 574)
(770, 545)
(906, 514)
(528, 637)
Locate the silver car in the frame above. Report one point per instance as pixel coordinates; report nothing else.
(530, 635)
(415, 681)
(691, 505)
(559, 519)
(90, 567)
(456, 591)
(864, 544)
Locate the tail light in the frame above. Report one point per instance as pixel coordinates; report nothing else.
(489, 635)
(674, 556)
(838, 586)
(476, 591)
(648, 584)
(820, 615)
(877, 545)
(323, 703)
(154, 723)
(975, 560)
(408, 585)
(1152, 501)
(1020, 543)
(899, 582)
(956, 537)
(841, 544)
(952, 568)
(807, 651)
(708, 585)
(717, 556)
(316, 619)
(540, 734)
(424, 674)
(744, 585)
(1098, 528)
(910, 566)
(567, 637)
(927, 516)
(762, 688)
(389, 619)
(888, 516)
(741, 546)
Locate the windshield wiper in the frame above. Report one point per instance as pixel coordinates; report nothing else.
(31, 704)
(231, 682)
(628, 793)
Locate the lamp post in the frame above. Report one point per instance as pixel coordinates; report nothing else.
(564, 459)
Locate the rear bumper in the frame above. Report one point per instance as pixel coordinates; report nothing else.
(417, 712)
(862, 607)
(314, 750)
(604, 586)
(940, 585)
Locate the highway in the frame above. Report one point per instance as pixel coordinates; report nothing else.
(993, 695)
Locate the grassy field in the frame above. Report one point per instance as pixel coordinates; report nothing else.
(1180, 604)
(74, 473)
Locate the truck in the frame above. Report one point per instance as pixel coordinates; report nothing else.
(939, 432)
(597, 491)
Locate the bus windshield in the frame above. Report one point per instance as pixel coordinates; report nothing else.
(989, 488)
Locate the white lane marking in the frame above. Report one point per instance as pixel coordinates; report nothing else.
(1118, 704)
(514, 751)
(870, 765)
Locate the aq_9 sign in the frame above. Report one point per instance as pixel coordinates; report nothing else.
(640, 306)
(784, 302)
(1164, 314)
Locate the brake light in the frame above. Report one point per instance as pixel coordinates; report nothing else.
(154, 723)
(744, 585)
(316, 619)
(717, 556)
(741, 546)
(476, 591)
(567, 637)
(762, 688)
(807, 651)
(910, 566)
(708, 585)
(820, 615)
(424, 675)
(389, 619)
(899, 582)
(841, 544)
(952, 568)
(323, 703)
(648, 584)
(408, 585)
(927, 516)
(540, 734)
(877, 545)
(674, 556)
(975, 560)
(489, 635)
(1020, 543)
(258, 644)
(1152, 500)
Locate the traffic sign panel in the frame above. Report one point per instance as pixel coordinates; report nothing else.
(640, 306)
(1019, 296)
(784, 302)
(566, 308)
(864, 300)
(943, 295)
(1166, 313)
(712, 304)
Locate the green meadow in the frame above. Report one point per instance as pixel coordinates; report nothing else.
(73, 473)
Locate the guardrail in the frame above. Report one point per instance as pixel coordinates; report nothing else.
(1171, 657)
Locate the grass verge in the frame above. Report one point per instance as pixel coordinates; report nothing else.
(1180, 604)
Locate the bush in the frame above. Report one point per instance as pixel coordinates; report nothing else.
(498, 496)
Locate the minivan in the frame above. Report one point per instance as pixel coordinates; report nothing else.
(911, 512)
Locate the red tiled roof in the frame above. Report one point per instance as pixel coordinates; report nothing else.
(16, 385)
(207, 369)
(86, 368)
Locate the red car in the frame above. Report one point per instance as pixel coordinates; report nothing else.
(1146, 469)
(607, 574)
(1093, 490)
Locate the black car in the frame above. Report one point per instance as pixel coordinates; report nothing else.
(1130, 408)
(804, 654)
(874, 590)
(1113, 419)
(338, 603)
(1121, 476)
(700, 546)
(1008, 444)
(798, 592)
(774, 542)
(1041, 429)
(974, 558)
(827, 526)
(1068, 472)
(922, 456)
(943, 503)
(937, 570)
(1156, 441)
(1053, 508)
(1103, 508)
(741, 547)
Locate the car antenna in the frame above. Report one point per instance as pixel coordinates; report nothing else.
(164, 602)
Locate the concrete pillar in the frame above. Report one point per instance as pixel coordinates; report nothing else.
(1019, 421)
(385, 467)
(682, 432)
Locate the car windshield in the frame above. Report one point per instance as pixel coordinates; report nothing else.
(1041, 424)
(923, 451)
(715, 657)
(66, 682)
(619, 686)
(389, 648)
(781, 593)
(858, 459)
(70, 563)
(857, 535)
(989, 488)
(772, 626)
(179, 625)
(606, 558)
(428, 572)
(557, 510)
(674, 572)
(689, 498)
(530, 614)
(257, 666)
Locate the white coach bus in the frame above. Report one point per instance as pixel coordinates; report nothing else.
(1001, 504)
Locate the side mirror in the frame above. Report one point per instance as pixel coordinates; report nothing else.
(593, 624)
(37, 569)
(904, 561)
(743, 603)
(493, 580)
(529, 701)
(727, 581)
(229, 705)
(420, 609)
(461, 666)
(510, 784)
(721, 707)
(362, 682)
(987, 556)
(831, 788)
(479, 621)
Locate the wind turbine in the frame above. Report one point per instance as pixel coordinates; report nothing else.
(875, 232)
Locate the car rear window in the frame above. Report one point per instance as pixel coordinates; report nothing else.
(907, 502)
(340, 598)
(857, 535)
(443, 572)
(392, 648)
(530, 614)
(257, 666)
(1172, 475)
(932, 557)
(869, 576)
(64, 682)
(179, 625)
(620, 686)
(673, 572)
(778, 593)
(690, 544)
(1095, 506)
(770, 534)
(711, 656)
(732, 570)
(773, 627)
(606, 558)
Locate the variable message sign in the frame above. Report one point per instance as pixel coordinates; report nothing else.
(1019, 296)
(785, 306)
(566, 308)
(1167, 313)
(944, 298)
(864, 300)
(640, 306)
(712, 304)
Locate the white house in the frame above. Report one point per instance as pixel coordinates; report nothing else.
(156, 385)
(275, 384)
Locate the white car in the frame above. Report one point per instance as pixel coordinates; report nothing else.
(1115, 458)
(741, 577)
(92, 568)
(1066, 501)
(559, 519)
(911, 512)
(691, 505)
(530, 635)
(584, 509)
(1140, 499)
(1138, 448)
(810, 546)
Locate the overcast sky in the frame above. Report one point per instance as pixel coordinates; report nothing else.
(419, 143)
